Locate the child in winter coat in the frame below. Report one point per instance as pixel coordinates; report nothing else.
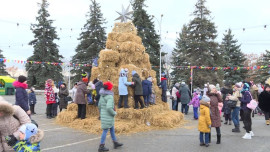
(204, 121)
(29, 139)
(32, 100)
(227, 112)
(196, 103)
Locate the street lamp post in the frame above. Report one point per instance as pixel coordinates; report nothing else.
(159, 22)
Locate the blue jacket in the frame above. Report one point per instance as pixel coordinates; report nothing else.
(21, 95)
(32, 98)
(147, 87)
(122, 85)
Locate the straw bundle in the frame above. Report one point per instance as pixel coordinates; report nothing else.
(131, 47)
(107, 64)
(66, 116)
(95, 73)
(168, 119)
(123, 37)
(125, 28)
(109, 56)
(114, 45)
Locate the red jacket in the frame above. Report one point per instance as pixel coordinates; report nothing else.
(49, 93)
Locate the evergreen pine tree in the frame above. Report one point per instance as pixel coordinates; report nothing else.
(179, 57)
(3, 71)
(45, 50)
(146, 30)
(201, 48)
(263, 73)
(92, 40)
(233, 57)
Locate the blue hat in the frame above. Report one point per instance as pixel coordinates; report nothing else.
(29, 130)
(133, 72)
(163, 74)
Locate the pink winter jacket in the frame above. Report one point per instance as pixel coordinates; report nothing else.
(10, 125)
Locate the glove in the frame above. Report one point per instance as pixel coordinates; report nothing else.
(11, 140)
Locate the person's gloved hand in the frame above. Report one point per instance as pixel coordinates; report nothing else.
(11, 140)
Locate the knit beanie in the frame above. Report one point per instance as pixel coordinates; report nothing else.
(29, 130)
(133, 72)
(22, 78)
(85, 80)
(205, 98)
(108, 85)
(211, 86)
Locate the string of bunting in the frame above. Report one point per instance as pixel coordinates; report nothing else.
(39, 62)
(180, 67)
(223, 68)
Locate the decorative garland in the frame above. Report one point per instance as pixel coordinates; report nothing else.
(181, 67)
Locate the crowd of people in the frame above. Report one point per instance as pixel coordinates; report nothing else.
(242, 99)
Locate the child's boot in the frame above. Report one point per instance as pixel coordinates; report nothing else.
(117, 144)
(230, 122)
(102, 148)
(226, 122)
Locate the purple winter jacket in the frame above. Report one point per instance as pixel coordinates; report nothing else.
(246, 98)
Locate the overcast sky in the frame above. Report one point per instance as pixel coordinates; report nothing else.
(235, 14)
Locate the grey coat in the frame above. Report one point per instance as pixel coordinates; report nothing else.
(63, 93)
(138, 90)
(81, 92)
(185, 94)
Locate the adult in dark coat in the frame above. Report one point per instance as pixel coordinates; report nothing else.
(98, 85)
(226, 90)
(63, 93)
(138, 90)
(80, 98)
(147, 91)
(215, 98)
(163, 85)
(185, 97)
(264, 103)
(21, 94)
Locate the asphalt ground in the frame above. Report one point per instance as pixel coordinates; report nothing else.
(185, 139)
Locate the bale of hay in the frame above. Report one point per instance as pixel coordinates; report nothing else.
(66, 117)
(109, 56)
(92, 110)
(131, 47)
(72, 107)
(127, 27)
(168, 119)
(114, 45)
(123, 37)
(95, 73)
(153, 73)
(107, 64)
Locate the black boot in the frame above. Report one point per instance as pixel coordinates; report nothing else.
(218, 139)
(34, 109)
(117, 144)
(102, 148)
(210, 137)
(236, 129)
(226, 122)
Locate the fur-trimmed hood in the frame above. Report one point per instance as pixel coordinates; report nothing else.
(6, 107)
(204, 103)
(37, 137)
(18, 84)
